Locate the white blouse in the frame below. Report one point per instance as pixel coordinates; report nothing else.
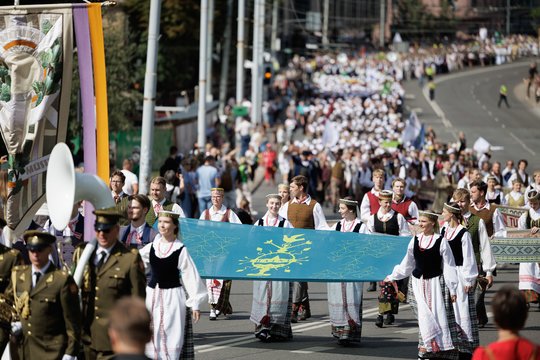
(191, 280)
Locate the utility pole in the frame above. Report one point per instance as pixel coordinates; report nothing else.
(326, 13)
(381, 24)
(262, 21)
(507, 17)
(209, 52)
(201, 113)
(256, 69)
(225, 59)
(149, 102)
(240, 52)
(273, 37)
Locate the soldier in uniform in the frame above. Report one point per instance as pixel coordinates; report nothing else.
(47, 304)
(9, 258)
(112, 272)
(158, 186)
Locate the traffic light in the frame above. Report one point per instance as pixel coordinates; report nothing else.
(267, 75)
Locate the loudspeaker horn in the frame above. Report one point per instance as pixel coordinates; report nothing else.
(65, 187)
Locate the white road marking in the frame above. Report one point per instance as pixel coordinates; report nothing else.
(312, 350)
(497, 119)
(407, 331)
(503, 126)
(478, 102)
(522, 144)
(484, 107)
(490, 113)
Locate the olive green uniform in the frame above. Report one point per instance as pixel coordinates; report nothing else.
(49, 313)
(8, 259)
(122, 274)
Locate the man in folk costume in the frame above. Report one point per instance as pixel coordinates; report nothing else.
(370, 205)
(272, 300)
(482, 250)
(219, 290)
(515, 198)
(158, 187)
(112, 272)
(118, 179)
(401, 203)
(303, 212)
(345, 299)
(389, 222)
(138, 233)
(529, 273)
(47, 304)
(68, 239)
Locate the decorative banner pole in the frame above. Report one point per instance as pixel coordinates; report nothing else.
(100, 80)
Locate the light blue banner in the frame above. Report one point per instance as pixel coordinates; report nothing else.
(231, 251)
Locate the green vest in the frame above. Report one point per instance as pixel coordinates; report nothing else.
(151, 217)
(472, 228)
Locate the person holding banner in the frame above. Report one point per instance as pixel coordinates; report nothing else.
(173, 275)
(433, 288)
(370, 204)
(272, 300)
(485, 261)
(158, 187)
(460, 243)
(345, 299)
(390, 222)
(529, 273)
(219, 290)
(304, 213)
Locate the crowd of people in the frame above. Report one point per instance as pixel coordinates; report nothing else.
(334, 134)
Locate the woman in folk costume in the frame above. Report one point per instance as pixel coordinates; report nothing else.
(390, 222)
(219, 290)
(345, 299)
(461, 245)
(529, 273)
(432, 289)
(272, 300)
(494, 195)
(173, 273)
(515, 198)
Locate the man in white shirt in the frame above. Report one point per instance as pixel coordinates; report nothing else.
(138, 233)
(131, 185)
(305, 213)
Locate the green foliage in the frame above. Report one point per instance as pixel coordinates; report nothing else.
(414, 18)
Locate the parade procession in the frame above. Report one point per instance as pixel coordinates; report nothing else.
(370, 199)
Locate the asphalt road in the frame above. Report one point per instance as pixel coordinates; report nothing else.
(467, 102)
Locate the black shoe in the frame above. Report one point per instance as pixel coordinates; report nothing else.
(389, 319)
(379, 321)
(482, 324)
(294, 318)
(372, 286)
(264, 336)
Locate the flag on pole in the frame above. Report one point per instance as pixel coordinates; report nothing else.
(35, 88)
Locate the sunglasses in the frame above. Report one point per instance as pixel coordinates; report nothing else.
(105, 231)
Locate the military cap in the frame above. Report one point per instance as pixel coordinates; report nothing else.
(38, 240)
(106, 218)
